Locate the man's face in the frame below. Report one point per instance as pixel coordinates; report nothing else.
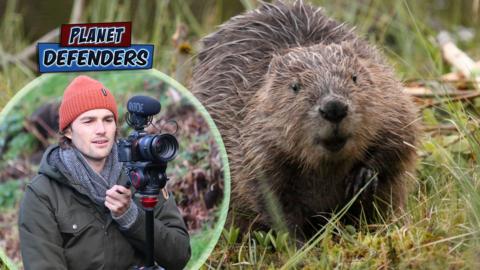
(93, 133)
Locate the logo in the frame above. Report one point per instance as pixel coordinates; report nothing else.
(104, 92)
(135, 107)
(94, 47)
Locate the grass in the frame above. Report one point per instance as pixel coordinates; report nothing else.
(441, 227)
(5, 263)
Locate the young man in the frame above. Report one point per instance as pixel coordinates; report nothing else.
(76, 213)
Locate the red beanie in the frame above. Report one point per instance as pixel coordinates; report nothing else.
(81, 95)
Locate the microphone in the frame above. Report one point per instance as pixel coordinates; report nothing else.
(143, 106)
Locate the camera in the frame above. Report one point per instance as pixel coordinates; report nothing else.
(142, 147)
(145, 158)
(146, 155)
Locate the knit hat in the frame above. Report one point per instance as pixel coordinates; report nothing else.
(81, 95)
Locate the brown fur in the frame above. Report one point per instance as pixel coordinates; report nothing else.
(274, 135)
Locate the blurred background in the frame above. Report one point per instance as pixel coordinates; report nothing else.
(441, 229)
(405, 29)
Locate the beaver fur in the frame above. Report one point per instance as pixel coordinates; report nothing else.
(309, 114)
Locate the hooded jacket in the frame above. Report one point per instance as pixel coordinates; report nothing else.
(61, 228)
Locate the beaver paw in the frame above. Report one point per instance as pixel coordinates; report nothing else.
(359, 179)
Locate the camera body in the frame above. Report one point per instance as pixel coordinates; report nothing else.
(140, 146)
(145, 156)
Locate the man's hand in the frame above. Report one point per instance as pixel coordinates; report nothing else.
(118, 200)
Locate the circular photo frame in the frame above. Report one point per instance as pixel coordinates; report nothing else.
(199, 177)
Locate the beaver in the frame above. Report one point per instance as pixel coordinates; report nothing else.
(310, 115)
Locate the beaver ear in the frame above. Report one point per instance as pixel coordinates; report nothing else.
(347, 44)
(351, 48)
(348, 47)
(363, 72)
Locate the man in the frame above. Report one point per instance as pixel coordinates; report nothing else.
(77, 213)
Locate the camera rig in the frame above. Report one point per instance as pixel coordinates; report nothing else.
(145, 158)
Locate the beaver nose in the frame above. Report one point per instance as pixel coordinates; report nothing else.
(334, 111)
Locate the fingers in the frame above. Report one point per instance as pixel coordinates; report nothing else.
(114, 208)
(116, 204)
(117, 208)
(118, 199)
(119, 192)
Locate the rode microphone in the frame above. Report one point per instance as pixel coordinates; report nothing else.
(143, 105)
(141, 109)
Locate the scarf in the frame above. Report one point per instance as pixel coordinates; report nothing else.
(82, 174)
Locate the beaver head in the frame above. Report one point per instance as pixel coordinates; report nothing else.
(320, 103)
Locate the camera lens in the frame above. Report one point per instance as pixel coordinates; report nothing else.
(165, 147)
(158, 147)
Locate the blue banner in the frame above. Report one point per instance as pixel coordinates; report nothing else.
(53, 58)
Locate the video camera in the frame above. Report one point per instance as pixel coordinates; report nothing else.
(146, 155)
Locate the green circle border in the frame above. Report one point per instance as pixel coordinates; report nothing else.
(213, 129)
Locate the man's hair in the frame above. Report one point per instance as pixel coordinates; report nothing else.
(64, 142)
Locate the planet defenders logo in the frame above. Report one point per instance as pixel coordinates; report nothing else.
(94, 47)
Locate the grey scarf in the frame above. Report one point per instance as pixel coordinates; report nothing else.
(82, 174)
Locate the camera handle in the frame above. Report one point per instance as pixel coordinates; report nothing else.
(148, 197)
(148, 203)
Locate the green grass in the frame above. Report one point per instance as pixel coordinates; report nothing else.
(440, 229)
(5, 262)
(441, 226)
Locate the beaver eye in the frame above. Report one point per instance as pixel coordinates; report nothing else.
(354, 78)
(295, 87)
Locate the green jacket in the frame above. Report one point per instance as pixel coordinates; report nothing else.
(61, 228)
